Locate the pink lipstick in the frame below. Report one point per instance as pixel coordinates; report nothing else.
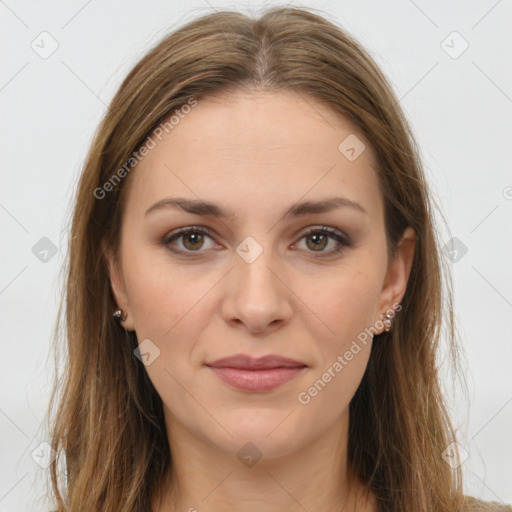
(256, 375)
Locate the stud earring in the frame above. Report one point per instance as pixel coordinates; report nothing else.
(387, 322)
(120, 315)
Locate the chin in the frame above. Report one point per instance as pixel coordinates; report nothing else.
(264, 433)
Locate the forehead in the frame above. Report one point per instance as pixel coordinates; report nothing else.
(249, 149)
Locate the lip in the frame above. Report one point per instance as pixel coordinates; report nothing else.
(243, 362)
(256, 375)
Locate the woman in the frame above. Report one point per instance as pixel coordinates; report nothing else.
(255, 292)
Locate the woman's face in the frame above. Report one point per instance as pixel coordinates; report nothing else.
(254, 282)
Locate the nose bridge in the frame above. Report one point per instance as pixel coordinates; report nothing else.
(257, 296)
(256, 281)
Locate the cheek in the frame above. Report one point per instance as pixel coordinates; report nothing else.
(327, 396)
(344, 305)
(159, 294)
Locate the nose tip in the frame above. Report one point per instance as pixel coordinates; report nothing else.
(255, 327)
(256, 298)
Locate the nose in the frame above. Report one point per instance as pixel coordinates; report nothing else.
(257, 295)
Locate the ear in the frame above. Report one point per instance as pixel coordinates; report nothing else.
(118, 288)
(398, 273)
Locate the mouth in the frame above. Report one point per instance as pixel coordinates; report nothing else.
(256, 375)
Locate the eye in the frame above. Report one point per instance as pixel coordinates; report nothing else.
(317, 239)
(192, 239)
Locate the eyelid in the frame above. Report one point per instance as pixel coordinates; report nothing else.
(187, 229)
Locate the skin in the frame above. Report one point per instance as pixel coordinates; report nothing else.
(257, 153)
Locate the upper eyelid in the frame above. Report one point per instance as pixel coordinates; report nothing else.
(183, 231)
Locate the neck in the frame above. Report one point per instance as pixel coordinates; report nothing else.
(205, 478)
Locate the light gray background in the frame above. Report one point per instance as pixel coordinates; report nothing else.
(460, 109)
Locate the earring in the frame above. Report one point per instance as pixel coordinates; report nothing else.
(387, 322)
(120, 314)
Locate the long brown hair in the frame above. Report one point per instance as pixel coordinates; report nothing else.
(106, 417)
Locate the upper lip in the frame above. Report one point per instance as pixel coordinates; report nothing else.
(244, 362)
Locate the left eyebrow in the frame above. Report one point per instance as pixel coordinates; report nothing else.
(199, 207)
(324, 206)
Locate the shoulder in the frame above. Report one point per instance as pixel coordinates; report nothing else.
(472, 504)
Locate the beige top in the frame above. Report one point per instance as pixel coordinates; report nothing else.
(476, 505)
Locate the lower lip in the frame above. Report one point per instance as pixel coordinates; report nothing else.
(257, 380)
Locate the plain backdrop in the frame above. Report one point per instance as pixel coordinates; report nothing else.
(450, 65)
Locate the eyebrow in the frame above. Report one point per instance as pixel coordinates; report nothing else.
(199, 207)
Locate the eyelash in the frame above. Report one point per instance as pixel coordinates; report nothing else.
(342, 240)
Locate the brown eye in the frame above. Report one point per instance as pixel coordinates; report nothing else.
(192, 240)
(317, 239)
